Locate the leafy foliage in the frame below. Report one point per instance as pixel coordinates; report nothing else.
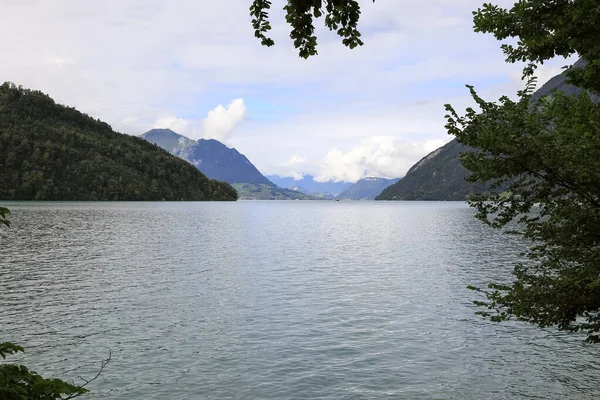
(341, 16)
(548, 154)
(4, 216)
(440, 175)
(545, 29)
(53, 152)
(17, 382)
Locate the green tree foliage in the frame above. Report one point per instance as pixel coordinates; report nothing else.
(17, 382)
(548, 154)
(341, 16)
(52, 152)
(546, 29)
(4, 216)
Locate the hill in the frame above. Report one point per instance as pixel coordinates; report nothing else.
(53, 152)
(222, 163)
(437, 176)
(366, 189)
(441, 176)
(252, 191)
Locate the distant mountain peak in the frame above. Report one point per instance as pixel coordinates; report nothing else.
(308, 185)
(161, 130)
(366, 188)
(213, 158)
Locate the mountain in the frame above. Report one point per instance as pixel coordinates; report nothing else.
(251, 191)
(222, 163)
(437, 176)
(53, 152)
(212, 157)
(366, 189)
(308, 185)
(441, 176)
(167, 139)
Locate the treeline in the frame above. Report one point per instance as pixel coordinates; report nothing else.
(52, 152)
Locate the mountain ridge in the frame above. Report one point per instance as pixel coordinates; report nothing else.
(366, 188)
(54, 152)
(217, 161)
(310, 186)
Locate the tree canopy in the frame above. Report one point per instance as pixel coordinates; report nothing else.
(546, 29)
(341, 16)
(548, 154)
(17, 382)
(53, 152)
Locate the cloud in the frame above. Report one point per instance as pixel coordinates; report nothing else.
(221, 121)
(292, 167)
(139, 63)
(380, 156)
(294, 161)
(219, 124)
(178, 125)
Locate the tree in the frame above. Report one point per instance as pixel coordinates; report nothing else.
(53, 152)
(340, 15)
(4, 216)
(548, 154)
(546, 29)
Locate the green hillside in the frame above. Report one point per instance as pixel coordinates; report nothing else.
(437, 176)
(52, 152)
(253, 191)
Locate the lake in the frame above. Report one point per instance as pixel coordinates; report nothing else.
(275, 300)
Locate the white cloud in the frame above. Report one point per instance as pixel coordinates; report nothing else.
(292, 167)
(139, 63)
(295, 160)
(175, 124)
(221, 121)
(218, 124)
(379, 156)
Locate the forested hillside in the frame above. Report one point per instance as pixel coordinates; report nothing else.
(52, 152)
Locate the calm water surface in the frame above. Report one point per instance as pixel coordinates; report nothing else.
(274, 300)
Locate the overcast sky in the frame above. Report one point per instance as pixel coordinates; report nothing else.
(195, 67)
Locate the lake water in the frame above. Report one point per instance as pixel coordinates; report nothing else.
(275, 300)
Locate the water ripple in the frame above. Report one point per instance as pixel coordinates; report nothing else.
(274, 300)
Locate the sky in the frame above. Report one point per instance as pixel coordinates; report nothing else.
(196, 67)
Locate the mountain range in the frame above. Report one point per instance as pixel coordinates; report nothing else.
(310, 186)
(366, 188)
(440, 174)
(220, 162)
